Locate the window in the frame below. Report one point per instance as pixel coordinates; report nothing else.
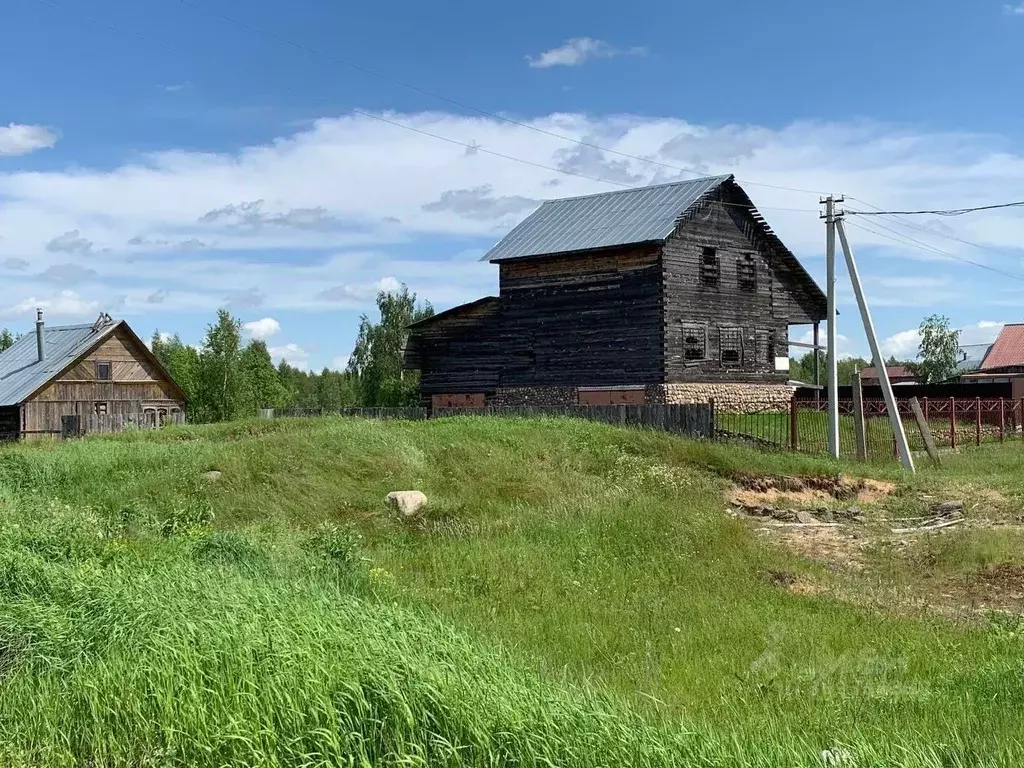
(731, 346)
(746, 273)
(710, 269)
(764, 343)
(100, 409)
(103, 371)
(695, 342)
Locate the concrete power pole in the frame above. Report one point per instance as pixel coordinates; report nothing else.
(831, 362)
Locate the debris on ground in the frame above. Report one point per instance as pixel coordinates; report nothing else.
(944, 514)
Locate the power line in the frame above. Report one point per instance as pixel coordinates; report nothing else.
(405, 126)
(912, 243)
(941, 212)
(463, 105)
(937, 233)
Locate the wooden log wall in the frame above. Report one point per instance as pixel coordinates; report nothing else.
(590, 319)
(757, 315)
(460, 353)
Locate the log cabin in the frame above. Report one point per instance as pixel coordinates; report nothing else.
(67, 380)
(674, 293)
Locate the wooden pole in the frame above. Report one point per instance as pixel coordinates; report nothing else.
(952, 423)
(926, 430)
(1002, 420)
(977, 420)
(859, 428)
(794, 424)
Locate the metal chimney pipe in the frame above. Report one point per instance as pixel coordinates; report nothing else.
(40, 347)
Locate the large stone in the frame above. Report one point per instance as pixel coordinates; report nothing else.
(212, 476)
(407, 505)
(805, 517)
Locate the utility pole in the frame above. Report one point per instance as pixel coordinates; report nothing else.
(831, 362)
(876, 354)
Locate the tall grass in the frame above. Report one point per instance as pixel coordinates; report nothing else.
(577, 598)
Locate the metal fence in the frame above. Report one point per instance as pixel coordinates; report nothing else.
(803, 426)
(690, 420)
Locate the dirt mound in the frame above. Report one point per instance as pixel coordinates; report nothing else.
(765, 490)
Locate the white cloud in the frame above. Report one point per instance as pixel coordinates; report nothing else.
(18, 139)
(263, 328)
(578, 50)
(293, 354)
(175, 87)
(62, 304)
(904, 345)
(1014, 10)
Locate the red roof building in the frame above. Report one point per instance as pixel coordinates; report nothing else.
(898, 374)
(1008, 349)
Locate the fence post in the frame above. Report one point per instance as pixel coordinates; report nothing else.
(1002, 419)
(925, 428)
(860, 434)
(977, 419)
(952, 423)
(794, 425)
(924, 406)
(714, 415)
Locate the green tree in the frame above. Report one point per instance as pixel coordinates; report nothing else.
(261, 386)
(219, 381)
(6, 339)
(377, 360)
(937, 350)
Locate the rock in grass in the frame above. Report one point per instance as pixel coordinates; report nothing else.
(408, 505)
(805, 517)
(212, 476)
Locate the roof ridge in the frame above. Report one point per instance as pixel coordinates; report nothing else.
(720, 179)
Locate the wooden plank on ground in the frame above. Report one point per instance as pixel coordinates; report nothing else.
(925, 429)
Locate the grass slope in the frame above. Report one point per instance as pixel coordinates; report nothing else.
(578, 598)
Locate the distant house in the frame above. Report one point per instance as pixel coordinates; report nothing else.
(671, 293)
(1004, 361)
(898, 374)
(70, 379)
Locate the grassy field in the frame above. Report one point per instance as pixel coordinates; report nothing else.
(578, 596)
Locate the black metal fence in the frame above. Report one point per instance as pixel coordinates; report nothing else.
(690, 420)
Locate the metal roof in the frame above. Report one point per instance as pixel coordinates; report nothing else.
(21, 373)
(627, 216)
(971, 356)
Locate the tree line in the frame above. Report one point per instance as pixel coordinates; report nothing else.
(226, 377)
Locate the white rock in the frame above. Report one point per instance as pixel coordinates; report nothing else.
(212, 476)
(407, 504)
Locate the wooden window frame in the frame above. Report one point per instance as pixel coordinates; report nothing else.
(734, 336)
(764, 347)
(110, 370)
(700, 332)
(709, 268)
(746, 273)
(96, 407)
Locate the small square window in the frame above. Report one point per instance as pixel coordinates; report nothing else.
(103, 371)
(746, 273)
(710, 269)
(100, 409)
(731, 346)
(695, 342)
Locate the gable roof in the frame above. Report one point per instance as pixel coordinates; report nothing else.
(1008, 349)
(455, 311)
(22, 375)
(972, 357)
(623, 217)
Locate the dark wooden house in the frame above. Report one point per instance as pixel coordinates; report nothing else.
(68, 380)
(670, 293)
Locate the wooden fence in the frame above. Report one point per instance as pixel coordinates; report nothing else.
(690, 420)
(107, 423)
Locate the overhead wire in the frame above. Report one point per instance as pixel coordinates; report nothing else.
(463, 105)
(938, 212)
(472, 147)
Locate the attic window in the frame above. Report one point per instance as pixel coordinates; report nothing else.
(695, 342)
(103, 371)
(710, 269)
(731, 346)
(746, 273)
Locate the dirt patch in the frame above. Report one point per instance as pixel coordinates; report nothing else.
(998, 585)
(807, 491)
(791, 582)
(838, 548)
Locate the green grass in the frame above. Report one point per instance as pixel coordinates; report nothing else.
(577, 597)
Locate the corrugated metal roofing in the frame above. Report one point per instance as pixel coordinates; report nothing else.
(1008, 349)
(623, 217)
(21, 373)
(971, 357)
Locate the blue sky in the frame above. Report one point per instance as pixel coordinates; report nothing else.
(182, 161)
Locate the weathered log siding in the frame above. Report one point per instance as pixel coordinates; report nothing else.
(458, 354)
(134, 386)
(775, 304)
(591, 319)
(10, 422)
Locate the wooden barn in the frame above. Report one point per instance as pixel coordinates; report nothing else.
(72, 379)
(671, 293)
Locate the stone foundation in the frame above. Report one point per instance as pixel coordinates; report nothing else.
(542, 396)
(738, 398)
